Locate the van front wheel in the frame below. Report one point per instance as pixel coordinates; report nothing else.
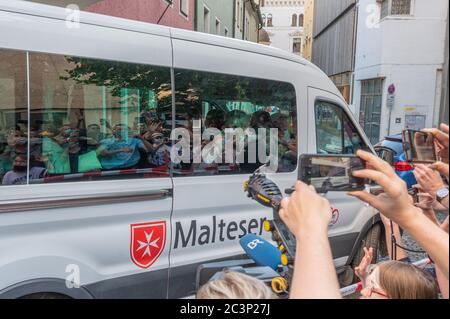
(373, 240)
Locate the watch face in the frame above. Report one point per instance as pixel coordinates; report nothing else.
(442, 193)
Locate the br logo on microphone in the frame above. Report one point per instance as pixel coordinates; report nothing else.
(254, 243)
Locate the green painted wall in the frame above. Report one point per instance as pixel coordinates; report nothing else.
(220, 9)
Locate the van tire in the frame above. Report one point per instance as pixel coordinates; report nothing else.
(372, 239)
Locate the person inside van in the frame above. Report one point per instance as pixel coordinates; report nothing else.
(121, 151)
(69, 139)
(18, 174)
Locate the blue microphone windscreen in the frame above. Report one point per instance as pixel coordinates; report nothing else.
(261, 251)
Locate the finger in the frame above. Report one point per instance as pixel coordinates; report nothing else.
(441, 168)
(444, 128)
(366, 197)
(376, 176)
(376, 163)
(441, 136)
(284, 203)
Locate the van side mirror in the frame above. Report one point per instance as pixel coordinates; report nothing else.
(386, 154)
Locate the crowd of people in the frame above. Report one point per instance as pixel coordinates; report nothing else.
(80, 148)
(307, 214)
(72, 149)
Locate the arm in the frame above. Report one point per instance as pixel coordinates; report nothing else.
(314, 272)
(395, 204)
(440, 277)
(307, 215)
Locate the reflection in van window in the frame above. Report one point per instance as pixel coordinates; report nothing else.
(13, 118)
(335, 133)
(209, 104)
(95, 119)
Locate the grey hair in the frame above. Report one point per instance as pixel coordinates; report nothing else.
(234, 285)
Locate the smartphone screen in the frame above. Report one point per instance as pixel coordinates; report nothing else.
(331, 172)
(419, 146)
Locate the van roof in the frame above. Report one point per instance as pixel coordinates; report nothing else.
(48, 11)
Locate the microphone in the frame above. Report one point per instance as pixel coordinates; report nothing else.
(261, 251)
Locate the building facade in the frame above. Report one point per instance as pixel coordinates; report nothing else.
(175, 13)
(308, 29)
(247, 19)
(284, 23)
(334, 39)
(399, 67)
(215, 17)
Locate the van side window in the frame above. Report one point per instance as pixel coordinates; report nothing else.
(13, 118)
(210, 106)
(94, 119)
(335, 133)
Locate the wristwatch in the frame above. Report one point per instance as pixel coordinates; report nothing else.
(441, 194)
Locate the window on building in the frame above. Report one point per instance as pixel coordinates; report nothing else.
(217, 26)
(301, 20)
(184, 7)
(252, 106)
(370, 108)
(89, 119)
(296, 45)
(264, 18)
(226, 33)
(335, 133)
(294, 20)
(395, 7)
(269, 20)
(206, 20)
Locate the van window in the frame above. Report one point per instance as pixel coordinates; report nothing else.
(335, 133)
(210, 106)
(89, 119)
(13, 117)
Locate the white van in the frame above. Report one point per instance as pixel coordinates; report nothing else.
(87, 210)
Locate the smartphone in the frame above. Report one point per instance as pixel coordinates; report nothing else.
(414, 193)
(419, 147)
(331, 172)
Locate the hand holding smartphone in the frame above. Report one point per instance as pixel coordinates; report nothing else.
(331, 172)
(419, 147)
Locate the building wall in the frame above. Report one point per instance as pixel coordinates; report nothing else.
(219, 9)
(444, 113)
(407, 52)
(282, 33)
(308, 29)
(333, 35)
(252, 17)
(147, 11)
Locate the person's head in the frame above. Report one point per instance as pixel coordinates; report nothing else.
(260, 119)
(237, 119)
(120, 131)
(398, 280)
(20, 163)
(215, 119)
(234, 285)
(93, 129)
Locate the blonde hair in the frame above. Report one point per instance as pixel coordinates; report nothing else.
(405, 281)
(234, 285)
